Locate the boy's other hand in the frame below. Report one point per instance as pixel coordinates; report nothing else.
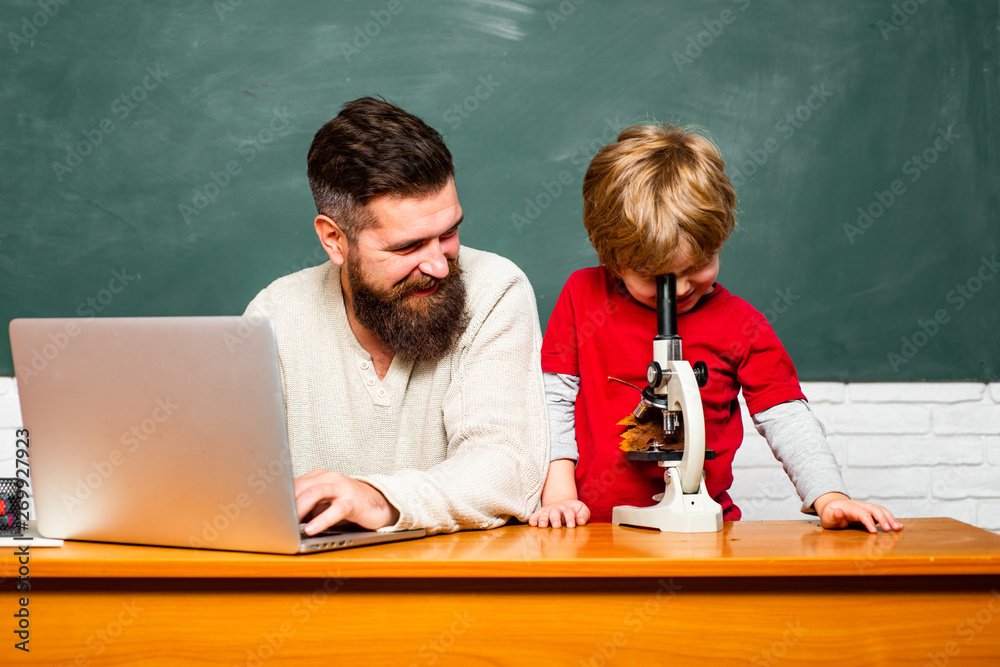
(837, 511)
(570, 512)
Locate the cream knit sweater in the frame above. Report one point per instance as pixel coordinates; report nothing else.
(459, 443)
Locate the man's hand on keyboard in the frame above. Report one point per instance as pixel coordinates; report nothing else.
(324, 498)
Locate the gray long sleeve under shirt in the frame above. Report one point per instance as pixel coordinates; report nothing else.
(794, 434)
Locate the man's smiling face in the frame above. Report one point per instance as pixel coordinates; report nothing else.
(403, 278)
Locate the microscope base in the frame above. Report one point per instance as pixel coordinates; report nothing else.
(677, 512)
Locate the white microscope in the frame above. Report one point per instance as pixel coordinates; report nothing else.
(685, 506)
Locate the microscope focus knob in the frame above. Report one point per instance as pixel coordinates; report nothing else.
(700, 369)
(654, 374)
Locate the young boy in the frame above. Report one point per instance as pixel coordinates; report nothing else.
(657, 202)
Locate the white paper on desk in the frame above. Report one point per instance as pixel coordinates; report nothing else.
(30, 538)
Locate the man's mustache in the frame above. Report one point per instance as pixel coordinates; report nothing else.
(420, 283)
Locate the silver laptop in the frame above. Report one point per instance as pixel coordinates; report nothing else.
(163, 431)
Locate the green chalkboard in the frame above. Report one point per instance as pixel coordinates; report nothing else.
(154, 152)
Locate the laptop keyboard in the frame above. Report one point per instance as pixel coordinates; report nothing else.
(329, 532)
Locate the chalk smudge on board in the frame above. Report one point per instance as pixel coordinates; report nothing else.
(485, 16)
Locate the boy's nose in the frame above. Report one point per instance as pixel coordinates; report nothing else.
(683, 285)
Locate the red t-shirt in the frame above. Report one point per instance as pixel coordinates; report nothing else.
(598, 330)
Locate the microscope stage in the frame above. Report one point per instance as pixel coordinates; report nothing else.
(664, 455)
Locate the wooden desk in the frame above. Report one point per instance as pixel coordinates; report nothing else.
(759, 593)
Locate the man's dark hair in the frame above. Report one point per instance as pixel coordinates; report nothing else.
(373, 148)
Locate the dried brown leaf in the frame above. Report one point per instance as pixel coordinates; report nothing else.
(641, 434)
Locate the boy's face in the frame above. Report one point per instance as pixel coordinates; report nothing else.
(693, 282)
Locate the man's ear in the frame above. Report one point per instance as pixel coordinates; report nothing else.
(332, 238)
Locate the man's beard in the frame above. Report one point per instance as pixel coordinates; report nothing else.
(414, 328)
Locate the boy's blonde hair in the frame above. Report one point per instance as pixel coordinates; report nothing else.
(658, 187)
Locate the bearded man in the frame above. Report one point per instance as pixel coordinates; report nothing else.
(410, 365)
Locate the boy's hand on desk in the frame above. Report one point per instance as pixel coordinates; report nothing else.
(570, 512)
(836, 510)
(327, 498)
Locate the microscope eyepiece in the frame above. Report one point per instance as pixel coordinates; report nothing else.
(666, 306)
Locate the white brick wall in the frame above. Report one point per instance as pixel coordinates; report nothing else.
(10, 419)
(920, 449)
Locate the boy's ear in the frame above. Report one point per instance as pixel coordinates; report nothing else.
(332, 238)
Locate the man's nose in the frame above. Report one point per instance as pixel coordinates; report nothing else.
(434, 263)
